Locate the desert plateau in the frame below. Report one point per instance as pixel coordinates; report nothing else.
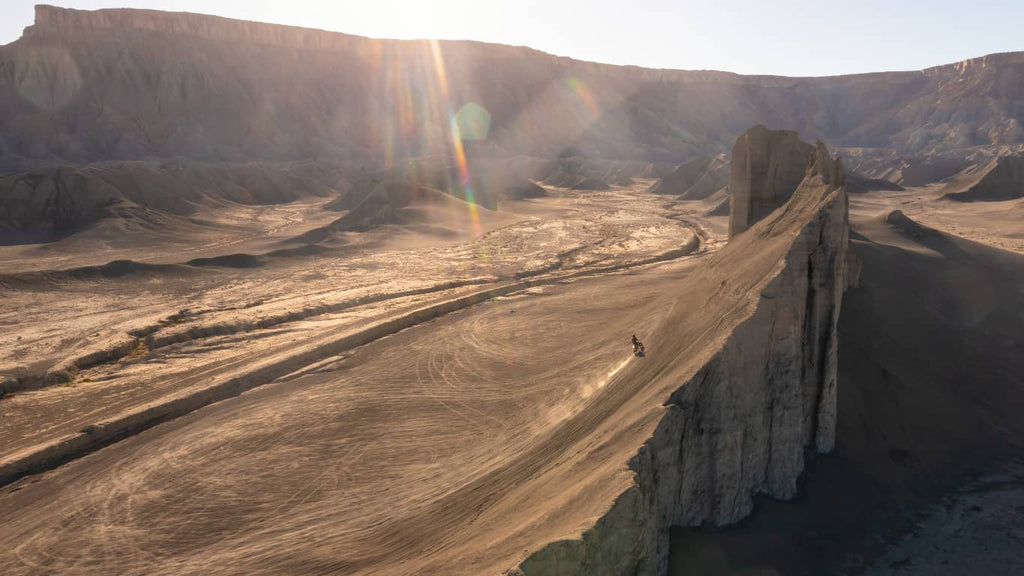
(278, 300)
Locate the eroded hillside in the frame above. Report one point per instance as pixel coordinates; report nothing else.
(204, 87)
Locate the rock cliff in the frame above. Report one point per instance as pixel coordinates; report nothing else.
(992, 180)
(766, 168)
(741, 424)
(51, 19)
(86, 86)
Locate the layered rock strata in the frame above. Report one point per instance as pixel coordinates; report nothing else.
(87, 86)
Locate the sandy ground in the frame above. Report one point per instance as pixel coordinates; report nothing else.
(358, 451)
(529, 238)
(979, 529)
(434, 443)
(441, 441)
(999, 224)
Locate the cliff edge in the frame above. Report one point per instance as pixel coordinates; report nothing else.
(764, 392)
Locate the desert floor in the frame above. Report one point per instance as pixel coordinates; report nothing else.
(405, 388)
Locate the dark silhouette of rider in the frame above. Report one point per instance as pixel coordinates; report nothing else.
(638, 347)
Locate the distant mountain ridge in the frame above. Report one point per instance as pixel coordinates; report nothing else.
(124, 84)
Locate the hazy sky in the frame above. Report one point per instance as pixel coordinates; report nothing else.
(792, 37)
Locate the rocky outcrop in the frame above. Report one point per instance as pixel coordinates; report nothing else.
(589, 184)
(767, 166)
(386, 204)
(525, 190)
(886, 164)
(695, 180)
(49, 203)
(740, 426)
(993, 180)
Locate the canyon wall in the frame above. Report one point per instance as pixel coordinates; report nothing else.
(741, 425)
(86, 86)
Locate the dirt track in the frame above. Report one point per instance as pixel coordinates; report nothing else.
(434, 426)
(382, 435)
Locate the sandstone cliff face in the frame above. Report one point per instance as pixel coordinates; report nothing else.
(741, 425)
(767, 166)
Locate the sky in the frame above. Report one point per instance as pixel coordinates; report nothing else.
(788, 37)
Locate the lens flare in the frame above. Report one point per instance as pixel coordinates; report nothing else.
(462, 167)
(584, 94)
(474, 121)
